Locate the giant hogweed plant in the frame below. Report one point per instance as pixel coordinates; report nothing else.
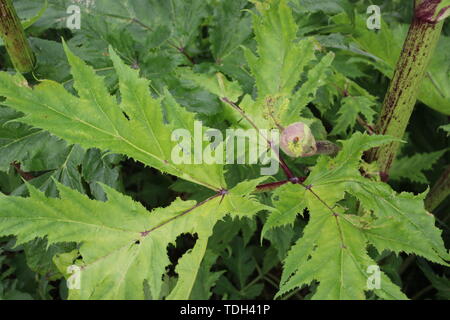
(122, 247)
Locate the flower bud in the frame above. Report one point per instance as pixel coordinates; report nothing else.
(297, 140)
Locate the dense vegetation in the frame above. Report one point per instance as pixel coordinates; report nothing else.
(92, 198)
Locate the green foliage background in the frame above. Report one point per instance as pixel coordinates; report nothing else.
(96, 180)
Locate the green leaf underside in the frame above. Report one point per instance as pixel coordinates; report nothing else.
(122, 245)
(289, 201)
(280, 63)
(349, 111)
(278, 67)
(333, 248)
(281, 60)
(96, 120)
(34, 149)
(401, 168)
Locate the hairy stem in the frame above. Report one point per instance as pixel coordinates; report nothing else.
(25, 175)
(439, 192)
(399, 102)
(13, 35)
(275, 185)
(365, 125)
(270, 186)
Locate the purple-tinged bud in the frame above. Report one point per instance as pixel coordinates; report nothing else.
(297, 141)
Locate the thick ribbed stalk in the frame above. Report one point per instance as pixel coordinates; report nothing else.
(439, 192)
(13, 36)
(399, 102)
